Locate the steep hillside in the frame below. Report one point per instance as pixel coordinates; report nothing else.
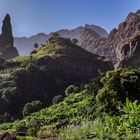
(107, 108)
(46, 73)
(130, 52)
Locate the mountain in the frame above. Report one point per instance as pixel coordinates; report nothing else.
(7, 51)
(47, 73)
(24, 44)
(111, 46)
(93, 38)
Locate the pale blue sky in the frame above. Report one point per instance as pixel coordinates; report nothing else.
(33, 16)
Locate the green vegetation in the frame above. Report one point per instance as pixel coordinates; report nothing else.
(29, 108)
(33, 102)
(107, 108)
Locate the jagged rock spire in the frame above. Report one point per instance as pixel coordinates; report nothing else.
(7, 37)
(7, 50)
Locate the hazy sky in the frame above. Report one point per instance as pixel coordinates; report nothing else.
(33, 16)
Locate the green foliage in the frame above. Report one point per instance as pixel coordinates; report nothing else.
(117, 86)
(71, 89)
(123, 127)
(5, 117)
(46, 134)
(54, 38)
(32, 131)
(73, 109)
(29, 108)
(24, 138)
(57, 99)
(107, 108)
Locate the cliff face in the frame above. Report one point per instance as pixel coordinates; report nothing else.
(112, 45)
(130, 53)
(7, 51)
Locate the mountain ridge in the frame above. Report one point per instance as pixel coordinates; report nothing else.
(24, 44)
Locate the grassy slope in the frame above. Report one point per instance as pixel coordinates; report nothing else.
(81, 116)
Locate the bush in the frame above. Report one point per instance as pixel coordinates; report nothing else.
(29, 108)
(75, 41)
(57, 99)
(117, 86)
(32, 131)
(71, 89)
(54, 38)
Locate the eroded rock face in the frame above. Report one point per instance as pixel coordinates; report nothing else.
(130, 54)
(118, 37)
(7, 51)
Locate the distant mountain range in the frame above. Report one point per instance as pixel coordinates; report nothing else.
(25, 45)
(92, 38)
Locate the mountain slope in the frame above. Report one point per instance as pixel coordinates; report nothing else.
(102, 110)
(46, 73)
(24, 45)
(112, 45)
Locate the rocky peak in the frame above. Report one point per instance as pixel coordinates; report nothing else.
(138, 12)
(6, 36)
(7, 50)
(98, 30)
(111, 46)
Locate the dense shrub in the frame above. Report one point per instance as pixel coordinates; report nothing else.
(29, 108)
(113, 114)
(71, 89)
(57, 99)
(117, 86)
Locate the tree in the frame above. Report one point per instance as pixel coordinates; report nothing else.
(54, 37)
(71, 89)
(36, 45)
(118, 85)
(33, 52)
(75, 41)
(57, 99)
(29, 108)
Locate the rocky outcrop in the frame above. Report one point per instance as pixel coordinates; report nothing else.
(130, 53)
(111, 46)
(7, 51)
